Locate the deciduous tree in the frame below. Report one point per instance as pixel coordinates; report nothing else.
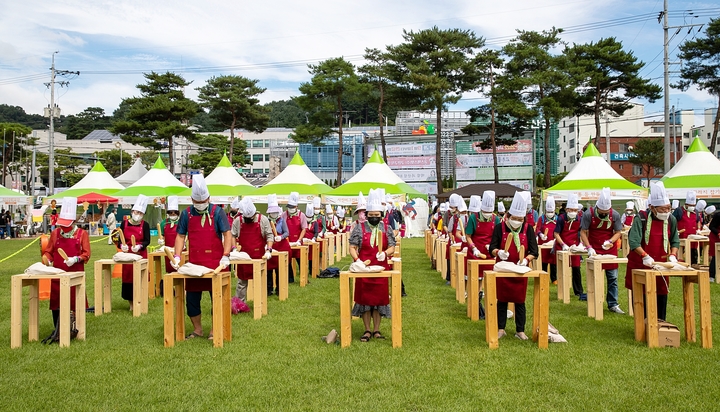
(649, 154)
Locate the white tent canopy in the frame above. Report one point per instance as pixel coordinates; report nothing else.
(225, 183)
(697, 170)
(296, 177)
(157, 183)
(133, 174)
(98, 180)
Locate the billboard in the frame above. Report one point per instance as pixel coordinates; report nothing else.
(421, 162)
(487, 173)
(520, 184)
(414, 149)
(486, 160)
(416, 175)
(520, 146)
(429, 188)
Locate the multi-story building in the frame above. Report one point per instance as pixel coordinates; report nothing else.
(705, 131)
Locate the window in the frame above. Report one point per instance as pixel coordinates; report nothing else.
(257, 158)
(564, 154)
(563, 123)
(563, 138)
(686, 135)
(624, 147)
(257, 143)
(267, 143)
(257, 170)
(637, 170)
(657, 129)
(572, 159)
(620, 166)
(267, 157)
(267, 170)
(571, 129)
(571, 144)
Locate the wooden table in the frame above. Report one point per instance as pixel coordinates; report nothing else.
(174, 307)
(541, 304)
(302, 270)
(473, 306)
(684, 252)
(453, 266)
(596, 285)
(329, 254)
(339, 251)
(428, 244)
(155, 270)
(103, 286)
(538, 261)
(67, 281)
(441, 256)
(564, 274)
(282, 286)
(398, 247)
(460, 270)
(257, 286)
(624, 244)
(324, 260)
(648, 300)
(314, 259)
(395, 304)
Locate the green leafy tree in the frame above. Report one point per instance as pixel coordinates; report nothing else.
(285, 113)
(435, 67)
(205, 122)
(212, 148)
(649, 153)
(333, 81)
(160, 114)
(147, 158)
(14, 137)
(701, 67)
(16, 114)
(607, 77)
(111, 160)
(376, 72)
(534, 85)
(234, 103)
(79, 126)
(68, 162)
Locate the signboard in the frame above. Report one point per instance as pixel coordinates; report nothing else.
(486, 160)
(620, 156)
(520, 184)
(429, 188)
(416, 175)
(415, 149)
(487, 173)
(521, 146)
(423, 162)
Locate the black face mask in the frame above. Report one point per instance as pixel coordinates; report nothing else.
(248, 219)
(233, 214)
(602, 215)
(374, 221)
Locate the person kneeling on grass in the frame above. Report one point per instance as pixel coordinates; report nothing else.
(373, 241)
(514, 290)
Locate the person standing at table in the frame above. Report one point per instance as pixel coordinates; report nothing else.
(234, 210)
(567, 233)
(139, 229)
(629, 215)
(687, 222)
(206, 227)
(255, 237)
(332, 222)
(451, 229)
(297, 224)
(600, 229)
(514, 290)
(75, 242)
(546, 233)
(373, 241)
(654, 237)
(280, 243)
(479, 230)
(169, 229)
(501, 211)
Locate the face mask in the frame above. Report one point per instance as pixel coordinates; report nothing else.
(201, 207)
(136, 217)
(486, 216)
(317, 212)
(602, 215)
(248, 219)
(691, 209)
(629, 212)
(662, 216)
(514, 224)
(173, 217)
(274, 216)
(374, 221)
(233, 213)
(453, 211)
(550, 215)
(292, 210)
(571, 215)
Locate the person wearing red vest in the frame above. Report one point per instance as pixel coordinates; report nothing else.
(139, 229)
(513, 289)
(567, 233)
(654, 237)
(234, 210)
(332, 222)
(280, 242)
(479, 230)
(75, 242)
(205, 227)
(629, 215)
(451, 229)
(687, 222)
(373, 241)
(169, 229)
(600, 229)
(255, 237)
(546, 233)
(297, 224)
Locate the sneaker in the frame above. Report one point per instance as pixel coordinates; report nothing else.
(617, 310)
(582, 297)
(501, 334)
(521, 336)
(712, 280)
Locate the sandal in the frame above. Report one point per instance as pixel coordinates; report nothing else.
(192, 336)
(378, 335)
(366, 336)
(210, 336)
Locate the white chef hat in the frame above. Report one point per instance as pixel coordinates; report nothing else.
(309, 210)
(675, 203)
(658, 195)
(173, 203)
(488, 201)
(572, 201)
(316, 203)
(690, 198)
(630, 205)
(462, 207)
(293, 199)
(455, 200)
(501, 207)
(700, 206)
(604, 202)
(381, 195)
(709, 210)
(273, 204)
(199, 188)
(247, 208)
(550, 204)
(374, 201)
(528, 200)
(141, 203)
(328, 209)
(475, 203)
(361, 203)
(235, 204)
(68, 211)
(443, 207)
(519, 205)
(340, 212)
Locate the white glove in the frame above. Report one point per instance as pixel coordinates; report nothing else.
(320, 235)
(456, 244)
(487, 247)
(565, 247)
(380, 256)
(124, 248)
(503, 255)
(161, 242)
(277, 238)
(175, 262)
(136, 248)
(476, 252)
(267, 255)
(523, 262)
(607, 245)
(224, 261)
(648, 261)
(358, 261)
(672, 259)
(71, 261)
(543, 237)
(464, 239)
(591, 252)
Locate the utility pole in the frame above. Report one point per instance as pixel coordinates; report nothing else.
(666, 88)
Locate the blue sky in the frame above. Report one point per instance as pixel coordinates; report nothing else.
(112, 43)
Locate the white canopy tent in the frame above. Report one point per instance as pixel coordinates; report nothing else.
(133, 174)
(697, 170)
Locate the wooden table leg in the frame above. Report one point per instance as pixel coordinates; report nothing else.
(64, 312)
(473, 311)
(631, 308)
(217, 312)
(639, 306)
(106, 288)
(179, 286)
(168, 314)
(600, 275)
(705, 308)
(345, 322)
(227, 321)
(590, 274)
(651, 307)
(263, 290)
(137, 290)
(491, 319)
(396, 310)
(98, 289)
(80, 309)
(257, 291)
(34, 310)
(689, 308)
(16, 313)
(460, 269)
(283, 273)
(541, 295)
(305, 267)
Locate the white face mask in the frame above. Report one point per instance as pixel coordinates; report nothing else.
(136, 217)
(571, 215)
(487, 215)
(292, 210)
(201, 207)
(550, 215)
(691, 209)
(173, 217)
(662, 216)
(514, 224)
(273, 215)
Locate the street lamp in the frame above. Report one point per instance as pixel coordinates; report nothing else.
(607, 144)
(119, 146)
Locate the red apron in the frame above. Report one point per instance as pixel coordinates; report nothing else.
(689, 222)
(372, 291)
(656, 251)
(333, 225)
(598, 235)
(480, 238)
(530, 219)
(294, 229)
(450, 230)
(253, 243)
(512, 289)
(170, 235)
(205, 248)
(128, 231)
(628, 220)
(570, 236)
(545, 225)
(73, 247)
(281, 246)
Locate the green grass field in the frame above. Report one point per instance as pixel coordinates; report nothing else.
(280, 362)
